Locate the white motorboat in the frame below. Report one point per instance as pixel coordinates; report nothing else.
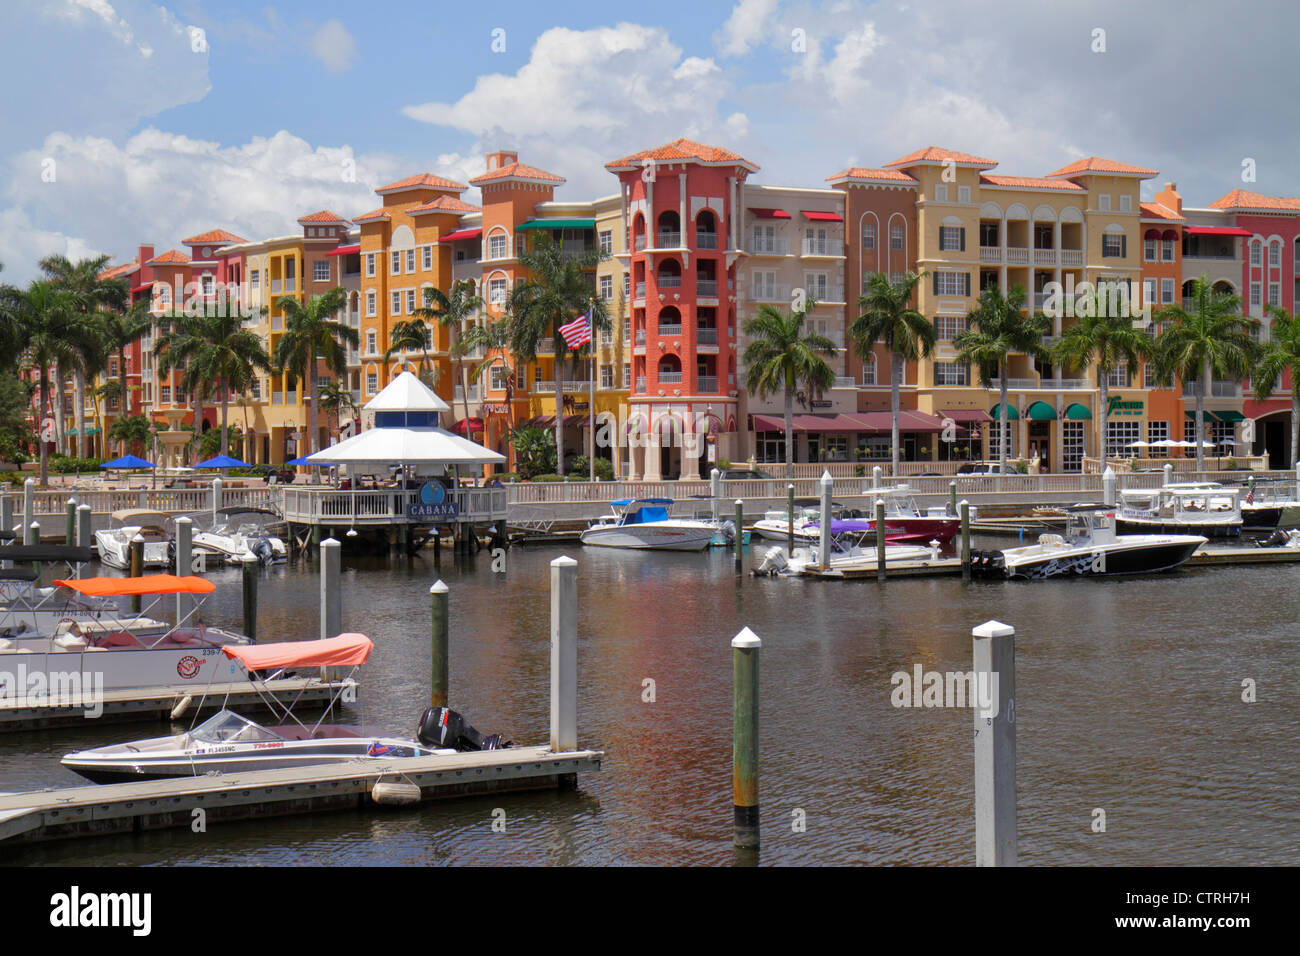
(1206, 508)
(241, 531)
(230, 743)
(114, 542)
(1269, 505)
(902, 512)
(1090, 546)
(852, 547)
(775, 524)
(645, 523)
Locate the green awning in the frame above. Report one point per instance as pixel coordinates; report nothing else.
(1230, 416)
(1041, 412)
(1209, 415)
(73, 431)
(1078, 413)
(996, 414)
(556, 224)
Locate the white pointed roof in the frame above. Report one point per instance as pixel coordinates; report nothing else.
(406, 446)
(407, 393)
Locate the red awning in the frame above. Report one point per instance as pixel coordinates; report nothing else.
(770, 213)
(1216, 231)
(816, 216)
(472, 424)
(461, 234)
(768, 423)
(827, 423)
(147, 285)
(345, 250)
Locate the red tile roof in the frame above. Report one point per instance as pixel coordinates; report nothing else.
(1029, 182)
(422, 181)
(170, 258)
(516, 171)
(1243, 199)
(1155, 210)
(863, 173)
(380, 213)
(681, 149)
(937, 154)
(1095, 164)
(323, 216)
(119, 271)
(443, 204)
(213, 237)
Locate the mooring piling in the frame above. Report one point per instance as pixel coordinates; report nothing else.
(439, 677)
(29, 503)
(952, 498)
(1167, 473)
(70, 522)
(880, 539)
(7, 512)
(789, 513)
(248, 566)
(331, 597)
(564, 655)
(740, 534)
(995, 743)
(745, 648)
(184, 562)
(216, 498)
(32, 533)
(964, 510)
(715, 492)
(877, 474)
(827, 485)
(137, 567)
(85, 536)
(1108, 487)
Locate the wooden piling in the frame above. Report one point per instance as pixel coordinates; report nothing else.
(439, 677)
(248, 566)
(745, 648)
(995, 744)
(952, 497)
(137, 567)
(964, 510)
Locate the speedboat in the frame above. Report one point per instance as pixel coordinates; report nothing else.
(228, 742)
(775, 524)
(902, 512)
(240, 531)
(114, 542)
(645, 523)
(1090, 546)
(1199, 507)
(853, 546)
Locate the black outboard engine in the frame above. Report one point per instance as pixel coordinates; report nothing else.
(261, 548)
(442, 727)
(1275, 540)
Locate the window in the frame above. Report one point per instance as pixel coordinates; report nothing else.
(498, 378)
(1125, 203)
(963, 194)
(770, 446)
(1113, 247)
(1255, 253)
(1157, 431)
(1166, 291)
(1118, 376)
(410, 301)
(371, 346)
(254, 278)
(410, 260)
(607, 242)
(1254, 293)
(989, 234)
(896, 236)
(947, 327)
(166, 394)
(1119, 434)
(606, 284)
(497, 291)
(207, 283)
(951, 373)
(521, 377)
(1103, 202)
(896, 278)
(372, 382)
(952, 283)
(627, 284)
(764, 285)
(1167, 250)
(370, 263)
(1071, 446)
(1149, 249)
(320, 270)
(427, 258)
(1149, 291)
(395, 263)
(497, 246)
(607, 376)
(1274, 293)
(257, 389)
(952, 239)
(1149, 375)
(869, 370)
(868, 235)
(370, 302)
(1274, 254)
(627, 374)
(941, 192)
(395, 303)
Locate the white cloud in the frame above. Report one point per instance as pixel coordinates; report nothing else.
(76, 10)
(333, 46)
(750, 22)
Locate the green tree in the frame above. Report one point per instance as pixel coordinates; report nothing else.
(133, 431)
(1212, 339)
(311, 334)
(558, 289)
(998, 329)
(15, 407)
(889, 319)
(119, 330)
(493, 337)
(453, 310)
(1279, 357)
(781, 357)
(1102, 342)
(217, 353)
(409, 335)
(335, 398)
(534, 451)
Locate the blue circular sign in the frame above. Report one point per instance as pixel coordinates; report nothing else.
(432, 493)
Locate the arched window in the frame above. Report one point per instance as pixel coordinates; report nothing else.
(670, 370)
(670, 321)
(669, 275)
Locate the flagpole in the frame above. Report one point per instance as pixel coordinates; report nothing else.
(591, 389)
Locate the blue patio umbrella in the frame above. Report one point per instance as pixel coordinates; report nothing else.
(127, 461)
(304, 460)
(222, 461)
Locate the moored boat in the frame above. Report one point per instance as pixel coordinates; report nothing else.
(114, 542)
(646, 523)
(1205, 508)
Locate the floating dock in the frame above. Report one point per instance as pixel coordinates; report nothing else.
(158, 703)
(118, 808)
(1244, 556)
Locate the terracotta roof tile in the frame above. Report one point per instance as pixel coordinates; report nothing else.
(213, 237)
(122, 270)
(380, 213)
(170, 258)
(865, 173)
(1155, 210)
(1244, 199)
(1029, 182)
(323, 216)
(443, 204)
(516, 171)
(937, 154)
(422, 181)
(1095, 164)
(680, 149)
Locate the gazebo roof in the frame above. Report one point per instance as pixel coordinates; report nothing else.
(410, 446)
(407, 393)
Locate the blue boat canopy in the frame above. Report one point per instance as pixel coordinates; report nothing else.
(624, 502)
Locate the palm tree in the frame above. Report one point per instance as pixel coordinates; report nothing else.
(52, 329)
(119, 331)
(1212, 339)
(559, 289)
(493, 337)
(1278, 357)
(889, 319)
(452, 310)
(132, 431)
(218, 354)
(310, 334)
(409, 335)
(334, 398)
(1103, 341)
(780, 357)
(997, 330)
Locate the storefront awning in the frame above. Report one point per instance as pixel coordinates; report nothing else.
(1209, 416)
(556, 224)
(769, 213)
(827, 423)
(1230, 416)
(1077, 413)
(996, 415)
(1041, 412)
(816, 216)
(1216, 231)
(966, 416)
(461, 234)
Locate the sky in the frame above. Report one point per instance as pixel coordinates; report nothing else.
(130, 121)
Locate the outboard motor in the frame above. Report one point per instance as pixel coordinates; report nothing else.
(442, 727)
(262, 550)
(774, 562)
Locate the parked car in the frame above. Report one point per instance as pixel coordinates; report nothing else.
(985, 468)
(282, 475)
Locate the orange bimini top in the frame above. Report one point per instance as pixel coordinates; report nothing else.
(151, 584)
(344, 650)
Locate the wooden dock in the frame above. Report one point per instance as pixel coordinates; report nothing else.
(157, 703)
(1244, 556)
(893, 569)
(92, 810)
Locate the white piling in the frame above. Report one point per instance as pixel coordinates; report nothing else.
(564, 655)
(876, 473)
(85, 536)
(331, 598)
(216, 498)
(995, 744)
(32, 534)
(824, 522)
(1168, 473)
(184, 562)
(715, 492)
(29, 503)
(1108, 486)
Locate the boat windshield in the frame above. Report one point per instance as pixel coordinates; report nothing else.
(228, 727)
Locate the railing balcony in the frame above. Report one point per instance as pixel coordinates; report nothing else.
(670, 378)
(706, 240)
(990, 254)
(290, 285)
(1218, 389)
(356, 396)
(277, 323)
(575, 247)
(1017, 255)
(769, 246)
(1014, 383)
(1071, 257)
(705, 336)
(706, 384)
(772, 292)
(547, 387)
(639, 243)
(640, 337)
(546, 347)
(826, 293)
(844, 381)
(706, 287)
(666, 281)
(640, 290)
(277, 398)
(666, 329)
(460, 394)
(640, 384)
(1040, 299)
(275, 286)
(668, 240)
(822, 247)
(1044, 257)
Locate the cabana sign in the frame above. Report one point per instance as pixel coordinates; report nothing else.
(432, 503)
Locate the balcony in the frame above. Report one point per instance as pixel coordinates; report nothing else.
(670, 329)
(1067, 384)
(670, 378)
(547, 387)
(277, 323)
(669, 282)
(771, 292)
(668, 240)
(826, 293)
(996, 384)
(707, 288)
(640, 338)
(706, 240)
(459, 394)
(1218, 389)
(1071, 257)
(1040, 299)
(275, 286)
(990, 254)
(1017, 255)
(1044, 257)
(640, 290)
(546, 347)
(844, 381)
(640, 384)
(823, 247)
(639, 243)
(704, 384)
(356, 396)
(706, 336)
(769, 246)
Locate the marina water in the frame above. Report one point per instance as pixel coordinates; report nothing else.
(1129, 701)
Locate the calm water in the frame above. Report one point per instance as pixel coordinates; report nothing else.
(1129, 699)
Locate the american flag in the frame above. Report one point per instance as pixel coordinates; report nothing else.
(577, 332)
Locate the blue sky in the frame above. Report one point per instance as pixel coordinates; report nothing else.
(125, 134)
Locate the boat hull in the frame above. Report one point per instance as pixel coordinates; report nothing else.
(1125, 558)
(649, 537)
(168, 665)
(117, 554)
(1158, 526)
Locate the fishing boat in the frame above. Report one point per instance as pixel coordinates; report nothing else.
(1205, 508)
(903, 513)
(1090, 547)
(228, 742)
(114, 542)
(240, 531)
(646, 523)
